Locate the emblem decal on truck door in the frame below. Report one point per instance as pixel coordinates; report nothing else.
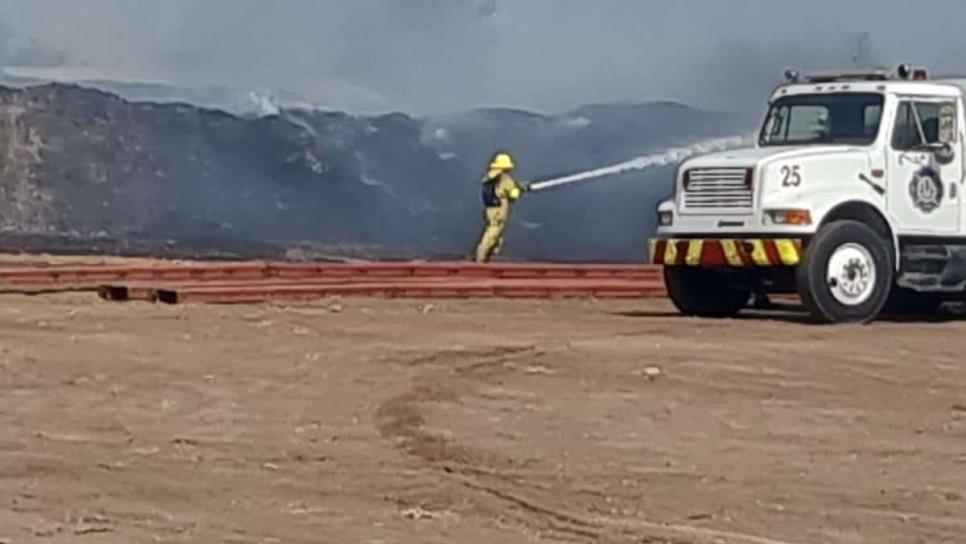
(926, 190)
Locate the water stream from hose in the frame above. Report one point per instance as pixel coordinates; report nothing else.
(663, 158)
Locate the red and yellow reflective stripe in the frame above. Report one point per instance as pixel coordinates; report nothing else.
(759, 255)
(760, 252)
(671, 253)
(732, 253)
(789, 251)
(695, 248)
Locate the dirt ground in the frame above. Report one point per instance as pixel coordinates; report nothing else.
(366, 421)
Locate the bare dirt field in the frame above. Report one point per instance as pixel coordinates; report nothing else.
(366, 421)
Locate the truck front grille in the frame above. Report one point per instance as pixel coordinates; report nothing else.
(717, 189)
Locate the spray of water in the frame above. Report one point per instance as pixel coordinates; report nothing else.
(664, 158)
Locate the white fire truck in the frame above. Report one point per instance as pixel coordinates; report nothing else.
(852, 196)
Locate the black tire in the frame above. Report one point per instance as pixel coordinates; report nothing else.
(841, 240)
(702, 292)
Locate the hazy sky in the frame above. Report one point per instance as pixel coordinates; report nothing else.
(438, 55)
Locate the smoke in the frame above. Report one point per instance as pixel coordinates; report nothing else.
(664, 158)
(428, 57)
(433, 56)
(19, 51)
(486, 8)
(425, 55)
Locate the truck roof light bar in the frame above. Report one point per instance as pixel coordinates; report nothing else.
(905, 72)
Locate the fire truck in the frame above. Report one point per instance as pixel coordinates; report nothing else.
(852, 196)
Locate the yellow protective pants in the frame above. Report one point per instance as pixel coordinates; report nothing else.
(492, 240)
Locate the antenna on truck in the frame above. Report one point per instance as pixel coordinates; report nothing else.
(862, 56)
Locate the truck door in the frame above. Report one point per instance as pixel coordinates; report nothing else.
(924, 183)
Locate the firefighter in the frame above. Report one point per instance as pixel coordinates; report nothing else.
(500, 191)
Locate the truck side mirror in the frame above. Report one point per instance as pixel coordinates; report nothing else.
(944, 152)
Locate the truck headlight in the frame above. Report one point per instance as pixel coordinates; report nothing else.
(799, 218)
(665, 219)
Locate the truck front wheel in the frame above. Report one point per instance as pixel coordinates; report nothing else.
(705, 293)
(847, 273)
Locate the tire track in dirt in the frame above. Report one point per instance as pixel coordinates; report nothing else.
(401, 420)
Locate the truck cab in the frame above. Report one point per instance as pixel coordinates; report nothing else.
(851, 196)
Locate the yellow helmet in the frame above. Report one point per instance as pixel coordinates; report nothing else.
(502, 161)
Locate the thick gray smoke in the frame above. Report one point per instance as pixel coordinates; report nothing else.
(428, 56)
(15, 50)
(397, 181)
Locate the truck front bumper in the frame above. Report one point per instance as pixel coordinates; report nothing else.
(723, 253)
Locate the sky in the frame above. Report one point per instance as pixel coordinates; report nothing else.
(435, 56)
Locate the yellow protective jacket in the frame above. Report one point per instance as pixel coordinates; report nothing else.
(500, 190)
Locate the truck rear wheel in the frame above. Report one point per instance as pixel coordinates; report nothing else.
(847, 273)
(705, 293)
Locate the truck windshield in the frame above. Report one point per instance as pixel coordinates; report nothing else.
(847, 118)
